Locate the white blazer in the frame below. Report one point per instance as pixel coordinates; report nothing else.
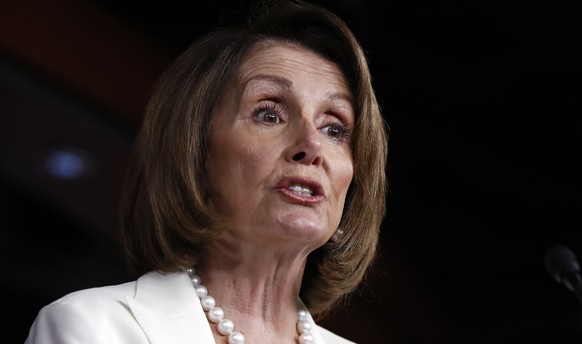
(154, 309)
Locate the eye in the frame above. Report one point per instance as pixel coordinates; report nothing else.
(337, 131)
(268, 114)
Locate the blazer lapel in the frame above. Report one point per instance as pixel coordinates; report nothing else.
(167, 308)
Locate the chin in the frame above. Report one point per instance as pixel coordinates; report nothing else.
(308, 230)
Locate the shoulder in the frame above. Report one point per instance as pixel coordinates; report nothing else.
(98, 296)
(95, 305)
(89, 316)
(332, 338)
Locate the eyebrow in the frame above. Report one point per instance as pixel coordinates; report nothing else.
(342, 96)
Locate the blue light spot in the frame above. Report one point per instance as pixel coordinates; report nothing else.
(66, 164)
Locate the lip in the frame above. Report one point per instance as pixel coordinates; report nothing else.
(318, 192)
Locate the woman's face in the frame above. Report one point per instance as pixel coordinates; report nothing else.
(279, 162)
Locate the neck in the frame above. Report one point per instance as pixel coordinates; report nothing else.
(254, 307)
(258, 290)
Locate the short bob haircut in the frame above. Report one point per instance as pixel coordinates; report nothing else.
(165, 220)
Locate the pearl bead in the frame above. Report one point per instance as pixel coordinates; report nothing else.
(207, 302)
(215, 314)
(304, 326)
(306, 338)
(338, 235)
(225, 326)
(196, 280)
(190, 271)
(201, 290)
(302, 314)
(236, 338)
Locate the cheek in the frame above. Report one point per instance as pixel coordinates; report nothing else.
(344, 174)
(340, 182)
(235, 162)
(253, 164)
(222, 164)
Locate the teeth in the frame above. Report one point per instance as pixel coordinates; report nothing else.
(301, 190)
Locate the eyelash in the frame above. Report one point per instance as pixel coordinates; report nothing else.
(344, 131)
(268, 108)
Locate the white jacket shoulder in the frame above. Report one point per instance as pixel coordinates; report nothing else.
(96, 315)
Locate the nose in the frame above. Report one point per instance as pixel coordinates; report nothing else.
(306, 145)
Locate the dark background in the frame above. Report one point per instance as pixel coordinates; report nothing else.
(483, 103)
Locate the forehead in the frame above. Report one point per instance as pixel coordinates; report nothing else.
(291, 61)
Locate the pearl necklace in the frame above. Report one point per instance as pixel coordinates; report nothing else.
(226, 327)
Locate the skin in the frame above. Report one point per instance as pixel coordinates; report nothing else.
(279, 169)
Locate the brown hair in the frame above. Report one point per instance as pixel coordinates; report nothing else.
(164, 217)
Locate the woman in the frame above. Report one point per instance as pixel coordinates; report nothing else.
(255, 197)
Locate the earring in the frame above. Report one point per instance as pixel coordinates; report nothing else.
(338, 235)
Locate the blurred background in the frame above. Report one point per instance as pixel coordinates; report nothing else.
(483, 100)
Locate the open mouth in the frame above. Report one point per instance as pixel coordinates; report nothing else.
(302, 190)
